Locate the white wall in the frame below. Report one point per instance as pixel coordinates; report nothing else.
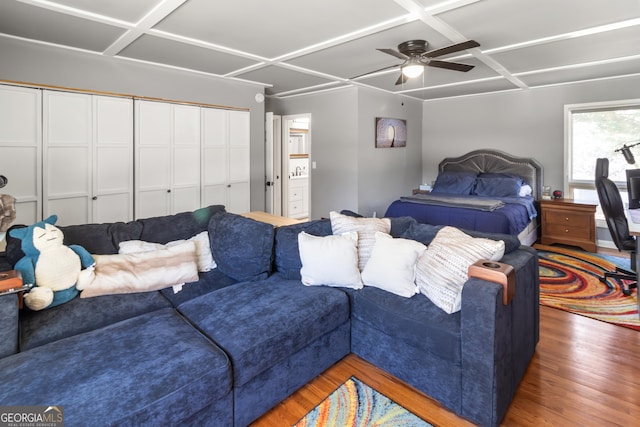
(43, 65)
(527, 123)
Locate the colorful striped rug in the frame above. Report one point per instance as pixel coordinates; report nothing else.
(570, 281)
(355, 404)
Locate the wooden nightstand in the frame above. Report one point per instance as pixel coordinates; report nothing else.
(568, 222)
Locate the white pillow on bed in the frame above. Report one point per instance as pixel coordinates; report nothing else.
(525, 190)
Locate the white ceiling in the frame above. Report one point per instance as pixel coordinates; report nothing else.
(293, 46)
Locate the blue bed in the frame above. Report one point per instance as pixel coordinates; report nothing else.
(494, 210)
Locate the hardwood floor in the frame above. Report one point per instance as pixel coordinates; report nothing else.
(584, 373)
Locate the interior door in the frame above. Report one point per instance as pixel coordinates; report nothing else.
(273, 164)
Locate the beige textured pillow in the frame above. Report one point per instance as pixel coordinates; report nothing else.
(366, 229)
(143, 272)
(441, 271)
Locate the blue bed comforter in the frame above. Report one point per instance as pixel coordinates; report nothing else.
(513, 216)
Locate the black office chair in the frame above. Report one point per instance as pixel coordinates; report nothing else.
(614, 214)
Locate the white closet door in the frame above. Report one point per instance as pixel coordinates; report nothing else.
(20, 150)
(186, 158)
(239, 161)
(67, 134)
(113, 159)
(153, 126)
(214, 156)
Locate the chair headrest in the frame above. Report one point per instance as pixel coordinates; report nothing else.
(602, 168)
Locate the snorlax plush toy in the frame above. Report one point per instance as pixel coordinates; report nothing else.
(52, 268)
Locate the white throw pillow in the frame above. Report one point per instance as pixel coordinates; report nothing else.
(392, 265)
(203, 249)
(330, 260)
(442, 270)
(366, 229)
(144, 271)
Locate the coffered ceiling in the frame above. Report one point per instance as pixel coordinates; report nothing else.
(292, 47)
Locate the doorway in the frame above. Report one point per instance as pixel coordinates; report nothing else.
(288, 168)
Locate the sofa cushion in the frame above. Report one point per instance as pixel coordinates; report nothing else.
(241, 247)
(164, 229)
(104, 238)
(416, 321)
(154, 369)
(82, 315)
(8, 324)
(287, 252)
(101, 238)
(207, 282)
(425, 233)
(262, 323)
(330, 260)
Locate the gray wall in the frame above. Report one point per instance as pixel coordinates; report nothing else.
(527, 123)
(384, 174)
(351, 173)
(334, 148)
(40, 65)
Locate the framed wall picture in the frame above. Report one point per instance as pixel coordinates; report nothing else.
(391, 133)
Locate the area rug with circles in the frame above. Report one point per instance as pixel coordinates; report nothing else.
(570, 281)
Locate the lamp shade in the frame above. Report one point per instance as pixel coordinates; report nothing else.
(413, 68)
(411, 71)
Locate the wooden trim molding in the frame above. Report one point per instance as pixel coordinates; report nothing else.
(118, 95)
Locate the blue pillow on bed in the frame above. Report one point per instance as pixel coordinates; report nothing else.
(498, 185)
(453, 182)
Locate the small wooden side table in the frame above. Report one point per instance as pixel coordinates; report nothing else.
(568, 222)
(11, 283)
(275, 220)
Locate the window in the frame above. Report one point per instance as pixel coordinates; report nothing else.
(599, 130)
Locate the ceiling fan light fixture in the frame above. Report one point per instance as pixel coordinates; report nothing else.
(412, 70)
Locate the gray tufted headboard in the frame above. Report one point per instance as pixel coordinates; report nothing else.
(495, 161)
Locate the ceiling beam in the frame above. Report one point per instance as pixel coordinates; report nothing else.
(413, 6)
(157, 14)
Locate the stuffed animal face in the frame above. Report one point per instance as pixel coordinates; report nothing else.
(28, 236)
(47, 238)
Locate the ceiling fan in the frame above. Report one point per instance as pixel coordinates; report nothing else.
(415, 56)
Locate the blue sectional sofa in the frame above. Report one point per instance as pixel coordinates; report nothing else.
(246, 335)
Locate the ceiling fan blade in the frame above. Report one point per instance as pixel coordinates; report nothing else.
(451, 49)
(394, 53)
(450, 65)
(375, 71)
(401, 80)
